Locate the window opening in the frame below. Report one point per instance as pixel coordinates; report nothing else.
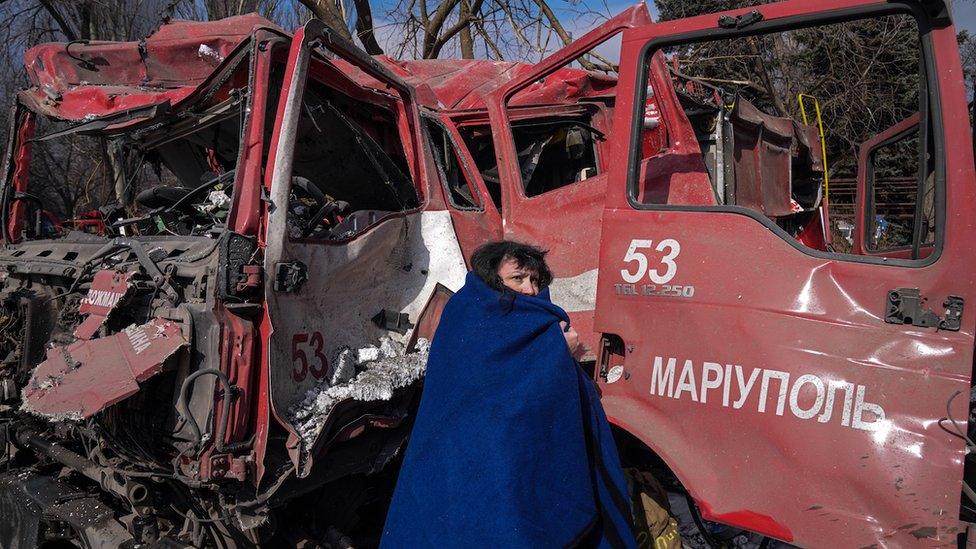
(478, 140)
(462, 194)
(893, 195)
(349, 168)
(173, 177)
(554, 154)
(739, 98)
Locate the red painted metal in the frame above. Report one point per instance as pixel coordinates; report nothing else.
(461, 84)
(246, 213)
(87, 376)
(21, 172)
(265, 411)
(812, 236)
(473, 228)
(763, 524)
(239, 362)
(761, 302)
(761, 149)
(565, 221)
(108, 288)
(166, 66)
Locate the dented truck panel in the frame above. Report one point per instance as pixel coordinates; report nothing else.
(782, 362)
(567, 220)
(98, 79)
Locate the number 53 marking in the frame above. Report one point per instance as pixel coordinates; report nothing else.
(300, 362)
(669, 244)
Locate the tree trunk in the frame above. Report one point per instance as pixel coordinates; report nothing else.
(328, 13)
(115, 167)
(63, 25)
(467, 41)
(364, 28)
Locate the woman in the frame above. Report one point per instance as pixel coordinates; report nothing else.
(510, 447)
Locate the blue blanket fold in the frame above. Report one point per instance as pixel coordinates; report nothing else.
(510, 447)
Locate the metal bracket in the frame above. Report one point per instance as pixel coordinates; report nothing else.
(290, 276)
(907, 306)
(741, 21)
(238, 277)
(393, 321)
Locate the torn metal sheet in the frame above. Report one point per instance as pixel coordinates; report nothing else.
(83, 378)
(95, 79)
(378, 372)
(762, 146)
(775, 159)
(107, 290)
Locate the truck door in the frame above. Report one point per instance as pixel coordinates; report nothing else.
(353, 253)
(475, 214)
(813, 396)
(552, 162)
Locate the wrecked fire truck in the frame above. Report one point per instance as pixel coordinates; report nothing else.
(231, 356)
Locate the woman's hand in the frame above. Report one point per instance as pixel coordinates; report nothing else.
(572, 339)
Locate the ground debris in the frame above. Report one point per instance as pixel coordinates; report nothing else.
(367, 374)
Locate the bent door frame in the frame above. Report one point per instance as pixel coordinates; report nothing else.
(280, 379)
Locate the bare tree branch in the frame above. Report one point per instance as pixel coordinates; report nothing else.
(66, 29)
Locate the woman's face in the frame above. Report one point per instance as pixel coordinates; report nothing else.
(518, 279)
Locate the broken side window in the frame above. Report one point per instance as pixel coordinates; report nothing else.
(561, 148)
(349, 169)
(555, 153)
(893, 189)
(778, 121)
(480, 146)
(169, 175)
(552, 153)
(461, 192)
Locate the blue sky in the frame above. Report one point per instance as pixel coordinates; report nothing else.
(964, 16)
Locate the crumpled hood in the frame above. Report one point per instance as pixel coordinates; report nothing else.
(82, 81)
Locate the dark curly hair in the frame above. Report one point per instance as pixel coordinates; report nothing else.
(487, 258)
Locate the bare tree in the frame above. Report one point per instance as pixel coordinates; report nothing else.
(219, 9)
(335, 15)
(497, 29)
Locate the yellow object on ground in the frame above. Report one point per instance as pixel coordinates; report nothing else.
(654, 526)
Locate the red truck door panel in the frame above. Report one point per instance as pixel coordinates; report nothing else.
(566, 219)
(338, 273)
(790, 390)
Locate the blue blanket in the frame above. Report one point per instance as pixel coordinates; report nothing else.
(510, 447)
